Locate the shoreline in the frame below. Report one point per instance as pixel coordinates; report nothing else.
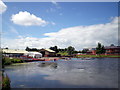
(52, 58)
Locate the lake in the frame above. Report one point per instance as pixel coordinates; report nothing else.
(73, 73)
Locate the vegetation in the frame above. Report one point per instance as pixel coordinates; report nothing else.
(54, 49)
(8, 60)
(31, 49)
(63, 53)
(5, 82)
(70, 50)
(84, 50)
(67, 51)
(97, 56)
(100, 49)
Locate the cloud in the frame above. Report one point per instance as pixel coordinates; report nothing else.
(79, 37)
(55, 8)
(54, 2)
(53, 23)
(3, 7)
(27, 19)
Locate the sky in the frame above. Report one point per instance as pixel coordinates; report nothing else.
(62, 24)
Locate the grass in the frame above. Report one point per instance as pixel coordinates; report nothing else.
(98, 56)
(5, 82)
(63, 53)
(8, 60)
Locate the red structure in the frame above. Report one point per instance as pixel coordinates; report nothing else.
(109, 50)
(91, 51)
(112, 49)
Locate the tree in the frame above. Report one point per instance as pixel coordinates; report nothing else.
(27, 49)
(112, 45)
(31, 49)
(34, 49)
(54, 49)
(100, 49)
(6, 48)
(70, 50)
(85, 50)
(103, 49)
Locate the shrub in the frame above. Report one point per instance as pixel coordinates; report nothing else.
(5, 82)
(16, 60)
(6, 61)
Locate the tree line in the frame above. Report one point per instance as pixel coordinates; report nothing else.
(100, 49)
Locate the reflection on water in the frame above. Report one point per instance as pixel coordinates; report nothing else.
(74, 73)
(45, 64)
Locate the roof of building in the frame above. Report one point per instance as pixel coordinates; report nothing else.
(90, 48)
(49, 50)
(13, 51)
(33, 53)
(111, 47)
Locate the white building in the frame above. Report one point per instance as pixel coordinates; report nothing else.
(33, 54)
(13, 52)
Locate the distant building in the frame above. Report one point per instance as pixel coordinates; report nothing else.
(112, 49)
(13, 52)
(91, 50)
(47, 52)
(33, 54)
(108, 50)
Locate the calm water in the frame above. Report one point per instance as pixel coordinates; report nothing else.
(75, 73)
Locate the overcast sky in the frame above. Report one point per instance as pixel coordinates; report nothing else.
(45, 24)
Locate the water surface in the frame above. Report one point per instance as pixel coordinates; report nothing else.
(73, 73)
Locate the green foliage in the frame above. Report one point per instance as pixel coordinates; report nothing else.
(16, 60)
(5, 82)
(76, 52)
(27, 49)
(8, 61)
(84, 50)
(100, 49)
(98, 56)
(67, 51)
(61, 50)
(63, 53)
(54, 49)
(70, 50)
(31, 49)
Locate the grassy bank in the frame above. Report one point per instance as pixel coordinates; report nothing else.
(5, 79)
(8, 60)
(107, 56)
(5, 82)
(63, 53)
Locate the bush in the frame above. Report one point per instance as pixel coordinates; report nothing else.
(6, 61)
(16, 60)
(5, 82)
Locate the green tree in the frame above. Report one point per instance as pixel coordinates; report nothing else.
(103, 49)
(70, 50)
(27, 49)
(85, 50)
(100, 49)
(112, 45)
(54, 49)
